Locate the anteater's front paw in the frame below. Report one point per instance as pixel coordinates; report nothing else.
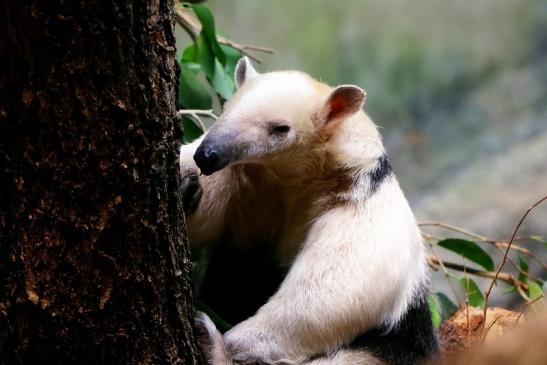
(211, 342)
(249, 345)
(191, 192)
(189, 173)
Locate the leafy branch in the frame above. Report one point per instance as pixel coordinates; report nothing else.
(435, 262)
(529, 289)
(193, 27)
(500, 244)
(207, 67)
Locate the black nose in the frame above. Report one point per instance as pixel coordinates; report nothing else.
(208, 159)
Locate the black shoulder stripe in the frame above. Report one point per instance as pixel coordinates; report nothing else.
(380, 173)
(409, 342)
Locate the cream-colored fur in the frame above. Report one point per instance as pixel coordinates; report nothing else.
(219, 356)
(356, 257)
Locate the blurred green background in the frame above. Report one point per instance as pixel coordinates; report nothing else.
(459, 89)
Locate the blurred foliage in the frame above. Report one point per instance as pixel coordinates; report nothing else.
(438, 75)
(471, 254)
(409, 55)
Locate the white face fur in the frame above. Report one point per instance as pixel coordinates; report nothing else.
(275, 112)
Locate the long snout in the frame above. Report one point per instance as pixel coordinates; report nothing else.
(210, 157)
(215, 152)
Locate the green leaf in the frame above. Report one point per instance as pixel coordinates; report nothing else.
(191, 130)
(205, 56)
(208, 30)
(472, 291)
(222, 82)
(232, 56)
(194, 67)
(435, 312)
(447, 307)
(534, 290)
(523, 268)
(189, 54)
(200, 55)
(192, 94)
(470, 250)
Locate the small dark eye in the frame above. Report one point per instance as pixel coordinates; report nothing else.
(280, 129)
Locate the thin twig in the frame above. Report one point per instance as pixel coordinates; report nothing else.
(445, 272)
(485, 332)
(206, 112)
(521, 312)
(512, 262)
(500, 244)
(192, 26)
(519, 316)
(467, 304)
(505, 277)
(194, 113)
(429, 237)
(523, 294)
(251, 47)
(453, 228)
(523, 250)
(532, 301)
(498, 272)
(245, 49)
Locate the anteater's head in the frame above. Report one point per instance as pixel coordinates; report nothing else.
(274, 113)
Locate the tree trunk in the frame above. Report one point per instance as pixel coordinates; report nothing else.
(94, 265)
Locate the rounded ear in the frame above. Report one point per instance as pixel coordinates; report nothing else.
(244, 71)
(343, 101)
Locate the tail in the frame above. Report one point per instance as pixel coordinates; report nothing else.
(211, 341)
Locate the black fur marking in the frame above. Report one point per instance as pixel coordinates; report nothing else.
(380, 173)
(237, 282)
(412, 341)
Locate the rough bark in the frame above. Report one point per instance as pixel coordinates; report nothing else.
(93, 259)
